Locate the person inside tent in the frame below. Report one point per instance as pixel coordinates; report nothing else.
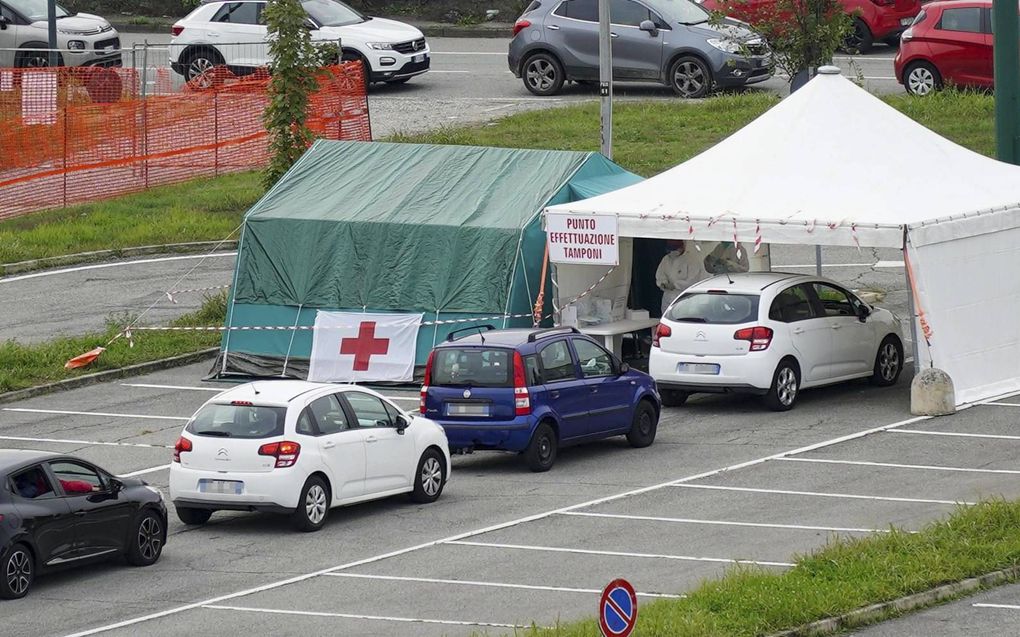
(678, 270)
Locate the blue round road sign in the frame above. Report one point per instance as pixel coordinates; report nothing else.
(618, 609)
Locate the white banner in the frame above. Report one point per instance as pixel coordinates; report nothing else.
(348, 346)
(39, 96)
(583, 239)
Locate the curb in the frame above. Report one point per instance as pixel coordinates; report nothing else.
(878, 612)
(430, 30)
(103, 255)
(110, 374)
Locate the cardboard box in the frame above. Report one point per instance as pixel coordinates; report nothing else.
(637, 315)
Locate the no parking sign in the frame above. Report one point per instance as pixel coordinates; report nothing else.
(618, 609)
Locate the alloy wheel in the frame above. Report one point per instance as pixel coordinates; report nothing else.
(198, 67)
(431, 476)
(150, 538)
(19, 572)
(786, 386)
(921, 81)
(541, 74)
(315, 504)
(544, 449)
(889, 361)
(689, 78)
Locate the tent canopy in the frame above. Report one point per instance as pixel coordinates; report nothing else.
(830, 158)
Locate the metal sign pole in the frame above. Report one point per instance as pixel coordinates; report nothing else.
(51, 13)
(606, 79)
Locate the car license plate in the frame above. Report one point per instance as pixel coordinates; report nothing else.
(697, 368)
(418, 58)
(906, 22)
(467, 409)
(233, 487)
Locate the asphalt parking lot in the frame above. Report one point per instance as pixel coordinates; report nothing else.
(725, 482)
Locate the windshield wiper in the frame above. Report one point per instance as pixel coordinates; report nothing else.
(693, 24)
(691, 319)
(220, 434)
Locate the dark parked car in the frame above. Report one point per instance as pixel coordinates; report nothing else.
(670, 42)
(58, 511)
(948, 43)
(532, 391)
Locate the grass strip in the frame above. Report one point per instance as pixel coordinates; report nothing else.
(23, 366)
(844, 575)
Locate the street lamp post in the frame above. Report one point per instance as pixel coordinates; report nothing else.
(51, 16)
(606, 79)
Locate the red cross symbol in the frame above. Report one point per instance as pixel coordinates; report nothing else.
(365, 346)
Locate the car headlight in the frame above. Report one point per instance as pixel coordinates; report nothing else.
(76, 45)
(380, 46)
(725, 45)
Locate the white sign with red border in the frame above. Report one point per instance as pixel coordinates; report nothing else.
(583, 239)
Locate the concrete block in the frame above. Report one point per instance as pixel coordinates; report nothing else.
(932, 393)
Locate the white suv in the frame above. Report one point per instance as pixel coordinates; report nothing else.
(300, 448)
(234, 34)
(771, 334)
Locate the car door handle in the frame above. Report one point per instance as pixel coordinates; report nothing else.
(371, 439)
(799, 330)
(836, 326)
(594, 390)
(79, 514)
(552, 27)
(614, 35)
(328, 445)
(554, 394)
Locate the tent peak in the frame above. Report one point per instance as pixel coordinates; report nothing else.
(829, 69)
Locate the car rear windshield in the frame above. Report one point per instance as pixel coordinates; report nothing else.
(472, 367)
(238, 421)
(715, 308)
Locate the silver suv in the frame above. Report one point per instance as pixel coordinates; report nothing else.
(83, 39)
(672, 42)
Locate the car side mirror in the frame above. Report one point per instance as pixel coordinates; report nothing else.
(624, 368)
(649, 27)
(308, 24)
(863, 311)
(402, 424)
(3, 22)
(116, 486)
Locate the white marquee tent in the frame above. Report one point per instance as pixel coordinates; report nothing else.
(834, 165)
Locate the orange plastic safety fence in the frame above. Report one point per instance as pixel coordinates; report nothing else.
(74, 135)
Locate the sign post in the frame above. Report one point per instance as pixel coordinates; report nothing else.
(583, 239)
(606, 78)
(618, 609)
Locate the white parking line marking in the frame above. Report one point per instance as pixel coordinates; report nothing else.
(180, 387)
(925, 432)
(144, 471)
(760, 525)
(459, 582)
(494, 527)
(893, 465)
(91, 413)
(117, 264)
(820, 494)
(406, 620)
(91, 443)
(468, 53)
(558, 549)
(1007, 606)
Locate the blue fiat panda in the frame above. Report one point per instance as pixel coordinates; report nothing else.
(533, 391)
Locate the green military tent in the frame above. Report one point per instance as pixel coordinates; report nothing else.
(451, 232)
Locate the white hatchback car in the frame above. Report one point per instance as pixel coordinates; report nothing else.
(301, 448)
(771, 334)
(234, 34)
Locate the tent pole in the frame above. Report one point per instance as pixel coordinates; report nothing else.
(818, 260)
(913, 318)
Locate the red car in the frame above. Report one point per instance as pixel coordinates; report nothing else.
(948, 42)
(874, 20)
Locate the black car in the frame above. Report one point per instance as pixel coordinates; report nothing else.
(58, 511)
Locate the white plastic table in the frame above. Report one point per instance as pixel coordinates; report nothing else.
(612, 332)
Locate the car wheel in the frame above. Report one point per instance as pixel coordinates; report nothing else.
(543, 74)
(430, 477)
(785, 387)
(888, 362)
(32, 59)
(199, 67)
(354, 56)
(922, 78)
(644, 425)
(541, 452)
(147, 540)
(673, 398)
(859, 40)
(17, 571)
(313, 506)
(893, 42)
(690, 77)
(193, 517)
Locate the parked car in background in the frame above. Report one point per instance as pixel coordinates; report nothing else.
(771, 334)
(873, 20)
(666, 41)
(84, 39)
(58, 511)
(234, 34)
(302, 448)
(949, 42)
(534, 391)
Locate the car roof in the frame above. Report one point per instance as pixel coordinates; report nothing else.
(963, 4)
(270, 392)
(12, 458)
(506, 338)
(749, 282)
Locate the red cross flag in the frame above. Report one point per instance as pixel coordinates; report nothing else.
(363, 347)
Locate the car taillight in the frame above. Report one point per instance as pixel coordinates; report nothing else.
(520, 25)
(428, 381)
(661, 331)
(286, 452)
(759, 337)
(182, 445)
(522, 400)
(176, 30)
